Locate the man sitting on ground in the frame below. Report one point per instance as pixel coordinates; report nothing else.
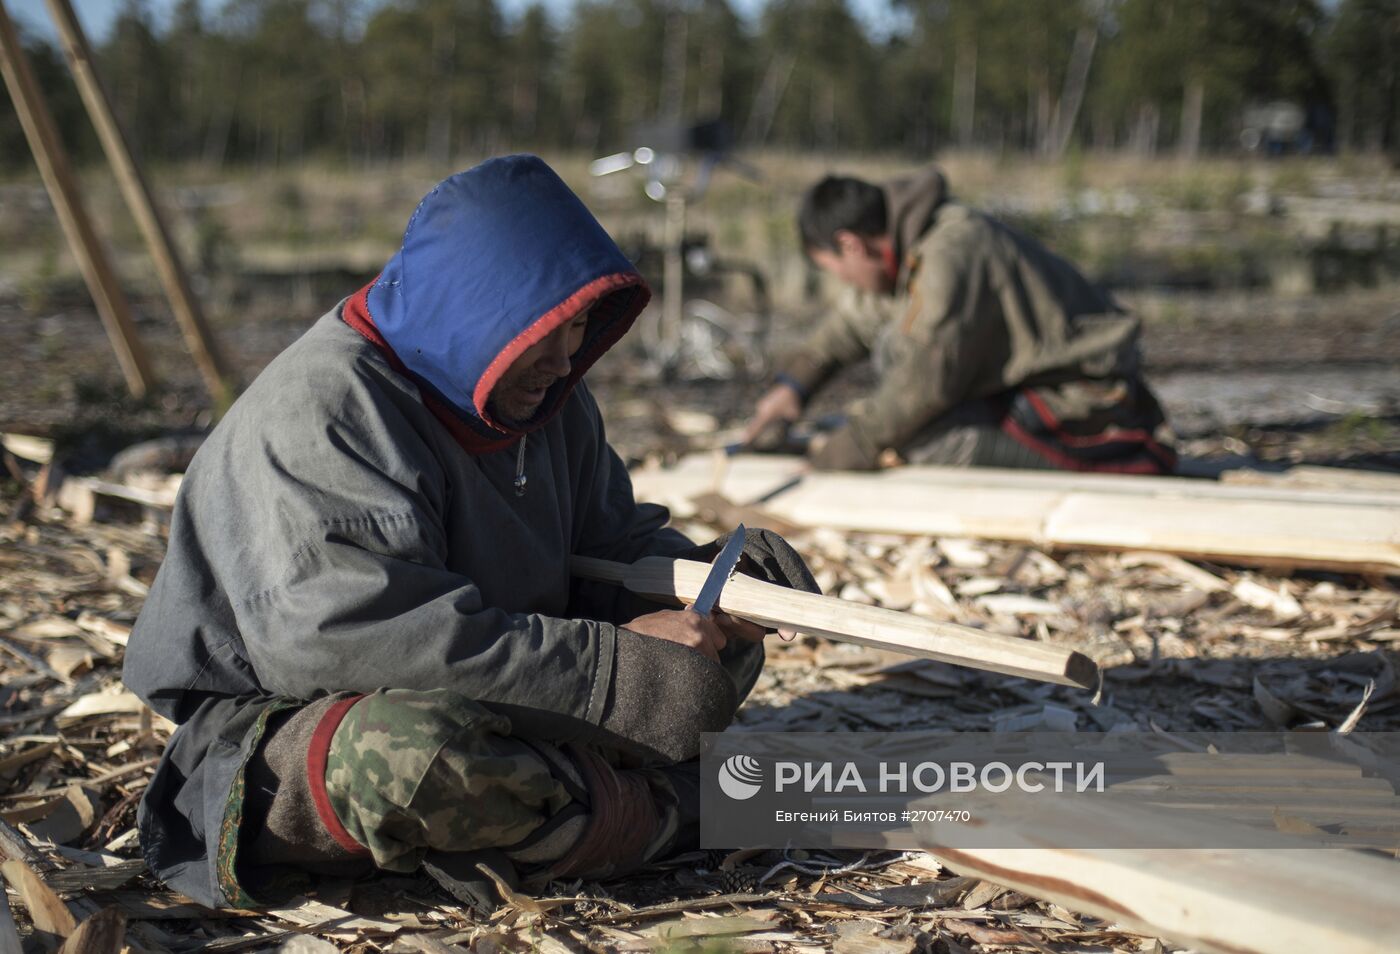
(990, 350)
(365, 625)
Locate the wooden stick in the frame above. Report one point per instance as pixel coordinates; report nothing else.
(188, 313)
(837, 619)
(46, 909)
(103, 933)
(9, 935)
(57, 173)
(1267, 900)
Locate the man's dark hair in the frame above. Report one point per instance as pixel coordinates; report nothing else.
(840, 202)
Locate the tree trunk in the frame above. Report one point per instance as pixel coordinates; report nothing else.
(1044, 113)
(437, 144)
(1192, 109)
(1076, 81)
(770, 96)
(673, 64)
(220, 128)
(824, 110)
(710, 98)
(1144, 138)
(965, 93)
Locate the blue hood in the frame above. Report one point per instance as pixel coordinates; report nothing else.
(493, 260)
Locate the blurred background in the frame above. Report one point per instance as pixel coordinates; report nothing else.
(1228, 167)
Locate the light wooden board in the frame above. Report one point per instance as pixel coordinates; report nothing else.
(1318, 478)
(1270, 526)
(1278, 900)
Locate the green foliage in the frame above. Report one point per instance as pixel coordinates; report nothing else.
(1357, 426)
(279, 81)
(1293, 178)
(1362, 50)
(40, 285)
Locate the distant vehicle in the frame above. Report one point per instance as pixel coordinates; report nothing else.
(1284, 127)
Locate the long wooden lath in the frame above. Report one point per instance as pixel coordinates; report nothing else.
(849, 622)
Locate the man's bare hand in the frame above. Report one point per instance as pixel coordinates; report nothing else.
(781, 405)
(706, 636)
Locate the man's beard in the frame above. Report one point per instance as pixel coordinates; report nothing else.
(508, 416)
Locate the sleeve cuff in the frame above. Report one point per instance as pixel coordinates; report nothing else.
(790, 381)
(804, 374)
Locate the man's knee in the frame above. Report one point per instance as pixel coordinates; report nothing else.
(410, 771)
(389, 739)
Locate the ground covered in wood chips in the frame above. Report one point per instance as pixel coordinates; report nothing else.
(1186, 647)
(1275, 369)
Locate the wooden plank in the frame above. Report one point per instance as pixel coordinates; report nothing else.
(745, 478)
(844, 621)
(103, 933)
(9, 934)
(62, 186)
(1322, 535)
(1357, 532)
(1139, 486)
(188, 313)
(46, 910)
(742, 479)
(1267, 900)
(1372, 806)
(1191, 765)
(1318, 478)
(1337, 788)
(38, 450)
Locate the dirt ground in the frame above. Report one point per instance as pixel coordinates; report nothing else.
(1247, 651)
(1246, 374)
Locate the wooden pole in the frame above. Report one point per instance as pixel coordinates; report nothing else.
(848, 622)
(139, 199)
(58, 178)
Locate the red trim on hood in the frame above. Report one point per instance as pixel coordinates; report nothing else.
(543, 326)
(356, 315)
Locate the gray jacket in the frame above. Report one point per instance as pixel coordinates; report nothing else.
(331, 535)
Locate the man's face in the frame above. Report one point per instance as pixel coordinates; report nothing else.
(522, 388)
(856, 260)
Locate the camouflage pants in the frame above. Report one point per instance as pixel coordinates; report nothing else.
(412, 772)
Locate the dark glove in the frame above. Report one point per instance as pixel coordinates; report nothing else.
(663, 696)
(766, 556)
(841, 451)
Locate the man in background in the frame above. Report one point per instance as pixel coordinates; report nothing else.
(990, 350)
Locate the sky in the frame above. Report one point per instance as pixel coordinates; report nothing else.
(97, 15)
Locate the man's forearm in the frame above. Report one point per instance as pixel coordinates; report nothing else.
(805, 373)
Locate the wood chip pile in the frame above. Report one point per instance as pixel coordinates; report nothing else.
(1186, 646)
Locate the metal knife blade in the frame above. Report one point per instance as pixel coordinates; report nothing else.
(720, 571)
